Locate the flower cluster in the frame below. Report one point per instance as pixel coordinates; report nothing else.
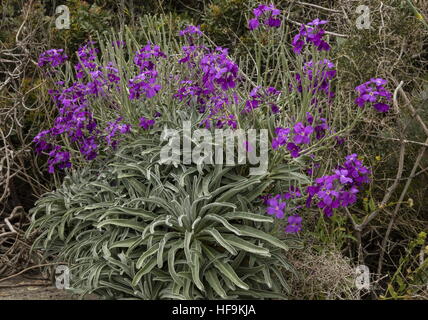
(144, 84)
(267, 12)
(327, 193)
(87, 55)
(300, 134)
(320, 74)
(339, 189)
(52, 58)
(259, 96)
(113, 128)
(147, 57)
(75, 118)
(191, 33)
(212, 74)
(58, 158)
(373, 92)
(292, 138)
(310, 33)
(218, 69)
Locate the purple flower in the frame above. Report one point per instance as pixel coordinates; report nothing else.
(113, 128)
(310, 33)
(294, 150)
(52, 57)
(272, 22)
(146, 57)
(218, 69)
(276, 208)
(259, 96)
(381, 107)
(89, 148)
(340, 189)
(253, 24)
(59, 159)
(294, 224)
(146, 123)
(293, 193)
(373, 92)
(87, 55)
(191, 32)
(248, 147)
(144, 84)
(281, 137)
(319, 74)
(41, 144)
(269, 12)
(342, 174)
(302, 133)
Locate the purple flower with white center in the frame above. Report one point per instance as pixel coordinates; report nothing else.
(342, 174)
(373, 92)
(276, 208)
(146, 123)
(294, 224)
(52, 58)
(294, 150)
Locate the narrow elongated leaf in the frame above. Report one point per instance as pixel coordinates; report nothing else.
(222, 241)
(247, 216)
(224, 222)
(256, 233)
(212, 279)
(246, 245)
(151, 251)
(225, 269)
(122, 223)
(146, 268)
